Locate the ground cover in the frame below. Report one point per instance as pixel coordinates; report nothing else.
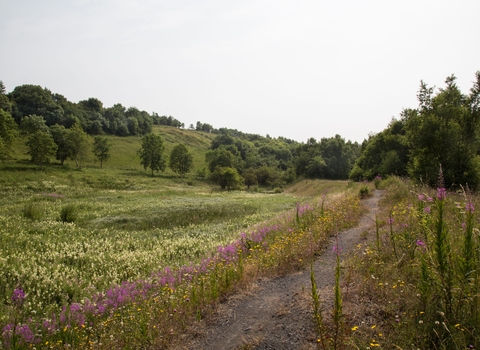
(415, 285)
(69, 237)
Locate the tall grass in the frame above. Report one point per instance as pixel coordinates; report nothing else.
(426, 295)
(125, 302)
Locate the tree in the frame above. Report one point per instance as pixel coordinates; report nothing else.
(78, 144)
(32, 123)
(250, 176)
(101, 149)
(8, 133)
(60, 136)
(444, 131)
(5, 103)
(228, 178)
(219, 157)
(151, 153)
(181, 160)
(41, 147)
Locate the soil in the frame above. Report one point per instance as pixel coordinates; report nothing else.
(277, 313)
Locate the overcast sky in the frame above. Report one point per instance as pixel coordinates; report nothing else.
(296, 69)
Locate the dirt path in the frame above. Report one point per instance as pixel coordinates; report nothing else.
(277, 313)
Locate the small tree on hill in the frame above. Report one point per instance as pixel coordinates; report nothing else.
(78, 144)
(181, 160)
(101, 149)
(41, 147)
(151, 153)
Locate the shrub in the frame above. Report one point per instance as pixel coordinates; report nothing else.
(33, 211)
(364, 191)
(69, 213)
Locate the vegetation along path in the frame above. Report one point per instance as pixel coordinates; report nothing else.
(277, 313)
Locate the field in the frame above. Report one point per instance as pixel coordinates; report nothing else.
(93, 239)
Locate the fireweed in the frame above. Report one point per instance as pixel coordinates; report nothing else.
(428, 294)
(152, 312)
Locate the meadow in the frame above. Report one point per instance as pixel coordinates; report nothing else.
(415, 285)
(81, 250)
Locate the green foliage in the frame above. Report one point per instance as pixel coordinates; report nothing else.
(101, 149)
(41, 147)
(180, 160)
(151, 153)
(364, 191)
(444, 131)
(228, 178)
(60, 136)
(69, 213)
(8, 133)
(385, 153)
(33, 211)
(32, 123)
(220, 157)
(78, 143)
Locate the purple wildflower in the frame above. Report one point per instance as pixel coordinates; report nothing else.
(441, 193)
(18, 297)
(427, 210)
(420, 243)
(390, 220)
(421, 197)
(469, 207)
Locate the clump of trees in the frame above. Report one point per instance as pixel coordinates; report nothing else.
(443, 131)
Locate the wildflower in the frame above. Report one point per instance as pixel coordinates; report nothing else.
(421, 197)
(441, 193)
(390, 220)
(427, 210)
(469, 208)
(18, 297)
(354, 328)
(420, 243)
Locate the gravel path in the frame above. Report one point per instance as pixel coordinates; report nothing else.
(276, 313)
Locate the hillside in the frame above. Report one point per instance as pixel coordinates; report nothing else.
(124, 149)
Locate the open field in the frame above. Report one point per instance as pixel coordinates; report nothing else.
(69, 237)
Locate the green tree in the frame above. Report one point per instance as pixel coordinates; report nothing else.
(78, 144)
(250, 177)
(41, 147)
(101, 149)
(220, 157)
(181, 160)
(444, 131)
(5, 103)
(151, 153)
(228, 178)
(8, 133)
(32, 123)
(60, 136)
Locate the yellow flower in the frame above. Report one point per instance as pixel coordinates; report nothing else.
(354, 328)
(373, 327)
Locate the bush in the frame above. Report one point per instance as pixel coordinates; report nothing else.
(364, 191)
(69, 213)
(33, 211)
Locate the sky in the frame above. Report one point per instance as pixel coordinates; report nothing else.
(295, 69)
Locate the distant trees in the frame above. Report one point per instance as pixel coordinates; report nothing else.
(444, 130)
(151, 153)
(8, 133)
(180, 160)
(101, 149)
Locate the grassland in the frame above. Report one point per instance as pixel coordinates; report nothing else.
(74, 239)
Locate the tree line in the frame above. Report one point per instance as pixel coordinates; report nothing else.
(443, 131)
(56, 127)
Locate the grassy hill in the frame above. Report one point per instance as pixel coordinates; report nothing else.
(124, 149)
